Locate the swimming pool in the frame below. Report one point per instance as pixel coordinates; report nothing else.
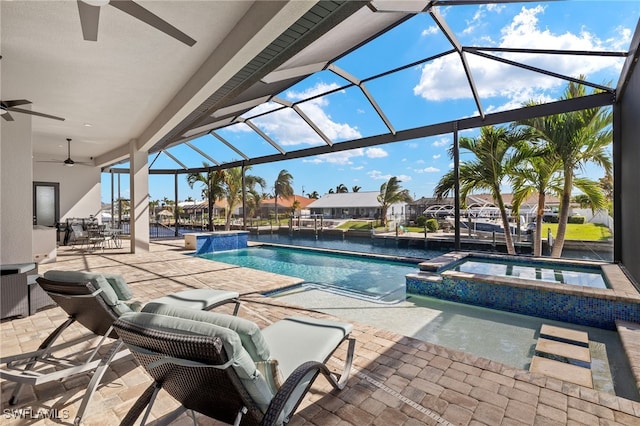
(353, 287)
(377, 279)
(586, 276)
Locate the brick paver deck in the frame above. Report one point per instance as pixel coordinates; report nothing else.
(396, 380)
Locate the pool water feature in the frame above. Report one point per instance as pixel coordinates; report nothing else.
(376, 279)
(586, 276)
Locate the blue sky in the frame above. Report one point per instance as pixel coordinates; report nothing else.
(428, 93)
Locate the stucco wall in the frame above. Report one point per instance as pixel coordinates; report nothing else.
(79, 187)
(16, 193)
(628, 161)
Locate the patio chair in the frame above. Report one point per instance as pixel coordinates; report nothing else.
(95, 301)
(226, 368)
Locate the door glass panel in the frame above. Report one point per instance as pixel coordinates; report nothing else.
(45, 206)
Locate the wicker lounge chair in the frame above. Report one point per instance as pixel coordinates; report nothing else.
(95, 301)
(226, 368)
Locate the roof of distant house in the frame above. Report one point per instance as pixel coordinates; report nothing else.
(287, 202)
(367, 199)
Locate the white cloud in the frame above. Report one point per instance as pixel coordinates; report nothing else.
(420, 162)
(357, 168)
(427, 170)
(288, 129)
(377, 175)
(412, 145)
(433, 29)
(451, 165)
(444, 78)
(376, 153)
(441, 142)
(436, 156)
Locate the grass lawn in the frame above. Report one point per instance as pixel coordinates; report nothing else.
(356, 224)
(584, 232)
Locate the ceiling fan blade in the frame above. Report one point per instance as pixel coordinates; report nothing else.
(131, 8)
(39, 114)
(89, 19)
(7, 116)
(15, 102)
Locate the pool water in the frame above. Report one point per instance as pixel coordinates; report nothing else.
(385, 246)
(559, 274)
(377, 279)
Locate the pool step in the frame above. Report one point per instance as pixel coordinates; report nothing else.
(564, 350)
(562, 370)
(558, 351)
(565, 335)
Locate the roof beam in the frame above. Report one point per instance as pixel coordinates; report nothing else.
(229, 144)
(558, 107)
(263, 135)
(442, 24)
(630, 63)
(204, 154)
(541, 71)
(351, 79)
(168, 154)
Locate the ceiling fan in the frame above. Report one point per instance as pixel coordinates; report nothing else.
(68, 162)
(90, 15)
(6, 106)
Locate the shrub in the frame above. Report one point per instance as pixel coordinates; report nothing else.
(576, 219)
(421, 220)
(432, 225)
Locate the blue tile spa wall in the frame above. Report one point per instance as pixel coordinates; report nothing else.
(576, 309)
(221, 242)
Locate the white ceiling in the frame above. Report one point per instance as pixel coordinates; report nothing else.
(135, 82)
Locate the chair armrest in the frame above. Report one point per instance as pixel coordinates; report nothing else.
(293, 390)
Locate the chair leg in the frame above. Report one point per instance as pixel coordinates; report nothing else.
(340, 381)
(146, 399)
(96, 378)
(42, 352)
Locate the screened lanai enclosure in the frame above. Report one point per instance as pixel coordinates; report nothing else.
(348, 92)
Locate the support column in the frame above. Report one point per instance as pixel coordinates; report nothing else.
(456, 190)
(139, 199)
(16, 188)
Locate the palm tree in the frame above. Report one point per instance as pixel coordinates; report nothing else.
(232, 189)
(153, 205)
(576, 138)
(493, 151)
(391, 193)
(212, 187)
(356, 188)
(539, 173)
(282, 187)
(341, 189)
(314, 195)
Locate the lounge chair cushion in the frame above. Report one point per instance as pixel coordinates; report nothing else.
(201, 323)
(250, 334)
(199, 298)
(109, 294)
(119, 285)
(294, 340)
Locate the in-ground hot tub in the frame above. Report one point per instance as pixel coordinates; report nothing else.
(482, 280)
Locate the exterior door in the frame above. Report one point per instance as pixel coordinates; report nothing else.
(46, 203)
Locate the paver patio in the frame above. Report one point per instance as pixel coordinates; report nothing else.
(396, 380)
